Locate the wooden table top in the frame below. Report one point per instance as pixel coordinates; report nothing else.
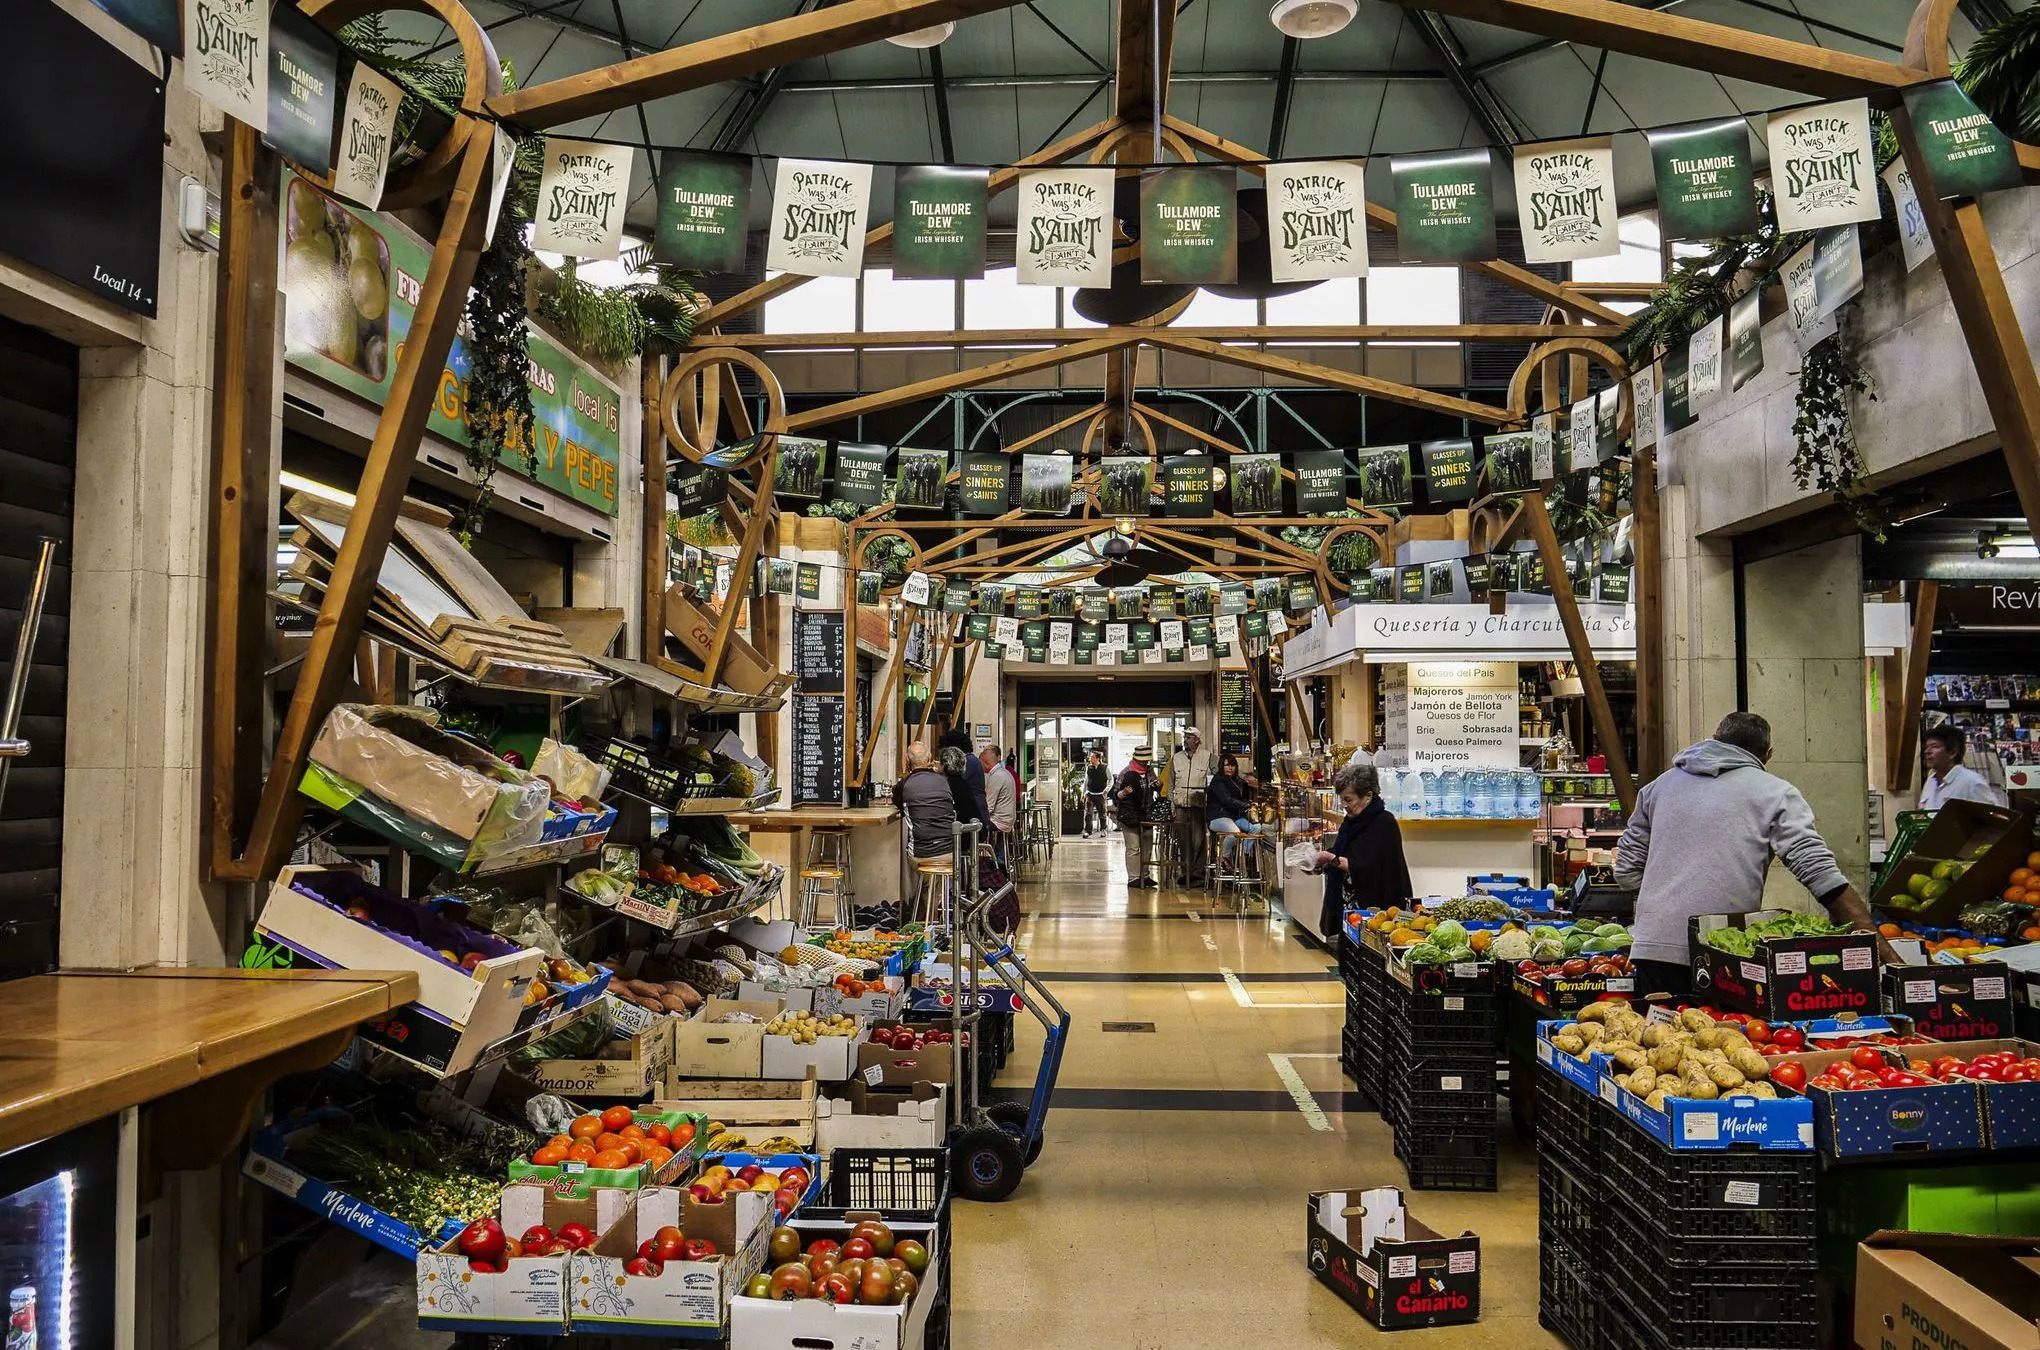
(815, 818)
(83, 1045)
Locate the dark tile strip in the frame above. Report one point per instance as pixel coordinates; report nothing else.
(1185, 1099)
(1182, 976)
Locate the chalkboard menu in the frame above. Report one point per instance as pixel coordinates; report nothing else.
(818, 731)
(818, 650)
(1235, 712)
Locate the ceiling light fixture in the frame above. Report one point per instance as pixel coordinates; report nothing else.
(934, 35)
(1311, 18)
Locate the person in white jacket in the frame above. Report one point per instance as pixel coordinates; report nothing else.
(1948, 778)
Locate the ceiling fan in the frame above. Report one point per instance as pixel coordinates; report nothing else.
(1127, 565)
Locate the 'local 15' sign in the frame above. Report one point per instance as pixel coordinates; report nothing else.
(353, 280)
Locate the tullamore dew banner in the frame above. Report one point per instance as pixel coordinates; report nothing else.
(304, 78)
(1745, 339)
(939, 223)
(581, 197)
(353, 280)
(1962, 152)
(1189, 230)
(819, 210)
(1706, 182)
(1823, 168)
(1445, 206)
(1064, 237)
(704, 204)
(1565, 199)
(1317, 219)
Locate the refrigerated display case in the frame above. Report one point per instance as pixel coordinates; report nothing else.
(60, 1216)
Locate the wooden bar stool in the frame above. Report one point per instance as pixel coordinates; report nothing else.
(932, 891)
(825, 875)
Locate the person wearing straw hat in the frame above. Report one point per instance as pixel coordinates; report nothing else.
(1134, 795)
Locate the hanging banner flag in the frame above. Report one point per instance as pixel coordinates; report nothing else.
(581, 197)
(1580, 451)
(1445, 206)
(1172, 633)
(1028, 603)
(1064, 235)
(819, 210)
(802, 466)
(1962, 152)
(1094, 606)
(1268, 592)
(1678, 388)
(1062, 603)
(1227, 627)
(1643, 397)
(1045, 483)
(226, 62)
(922, 484)
(1034, 635)
(985, 480)
(870, 587)
(1706, 181)
(1278, 624)
(1913, 235)
(992, 598)
(1509, 464)
(1061, 640)
(938, 223)
(780, 579)
(1198, 600)
(155, 20)
(1006, 630)
(367, 130)
(696, 487)
(1608, 423)
(1129, 602)
(1810, 325)
(1232, 599)
(704, 210)
(1189, 233)
(1565, 199)
(502, 163)
(1089, 637)
(1448, 470)
(1837, 267)
(1161, 602)
(1823, 166)
(1441, 579)
(304, 79)
(807, 581)
(1703, 363)
(1317, 219)
(1385, 476)
(956, 599)
(1302, 596)
(1197, 651)
(1197, 632)
(1320, 481)
(1544, 446)
(1186, 485)
(1115, 635)
(1255, 623)
(1256, 484)
(1123, 484)
(1745, 339)
(977, 628)
(917, 589)
(1479, 576)
(860, 473)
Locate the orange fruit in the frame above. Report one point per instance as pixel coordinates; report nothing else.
(1887, 930)
(609, 1159)
(2015, 895)
(552, 1155)
(2033, 861)
(632, 1132)
(2022, 876)
(581, 1152)
(616, 1117)
(585, 1127)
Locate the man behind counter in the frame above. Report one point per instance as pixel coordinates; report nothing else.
(1701, 840)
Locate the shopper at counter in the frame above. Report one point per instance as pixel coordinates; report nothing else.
(1948, 778)
(1701, 840)
(1227, 803)
(1133, 796)
(1097, 781)
(1002, 800)
(970, 801)
(1364, 868)
(925, 796)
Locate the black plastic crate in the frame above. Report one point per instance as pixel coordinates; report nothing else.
(1743, 1307)
(1568, 1305)
(1569, 1122)
(639, 771)
(1708, 1193)
(1569, 1211)
(1631, 1223)
(1444, 1172)
(910, 1184)
(1619, 1326)
(1425, 1025)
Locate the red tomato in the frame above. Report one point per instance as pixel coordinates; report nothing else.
(1826, 1081)
(1889, 1075)
(1943, 1063)
(2032, 1067)
(1758, 1032)
(638, 1265)
(1789, 1075)
(1982, 1073)
(2013, 1073)
(666, 1244)
(1866, 1058)
(1788, 1038)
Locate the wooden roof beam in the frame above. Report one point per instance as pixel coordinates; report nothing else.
(1146, 39)
(1332, 377)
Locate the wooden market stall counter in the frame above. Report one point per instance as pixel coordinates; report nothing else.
(197, 1046)
(876, 855)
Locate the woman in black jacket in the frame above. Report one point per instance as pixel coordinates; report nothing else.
(1226, 803)
(1364, 867)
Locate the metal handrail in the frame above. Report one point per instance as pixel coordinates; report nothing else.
(12, 746)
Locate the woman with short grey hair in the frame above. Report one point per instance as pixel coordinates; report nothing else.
(1364, 866)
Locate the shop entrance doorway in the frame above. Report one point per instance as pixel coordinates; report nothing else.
(1055, 749)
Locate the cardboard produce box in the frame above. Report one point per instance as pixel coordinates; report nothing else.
(1789, 979)
(637, 1074)
(1888, 1122)
(883, 1066)
(827, 1058)
(684, 1293)
(528, 1297)
(1952, 1003)
(1992, 840)
(867, 1117)
(1947, 1290)
(743, 670)
(754, 1109)
(1369, 1250)
(779, 1324)
(706, 1047)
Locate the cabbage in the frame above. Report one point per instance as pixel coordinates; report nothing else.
(1539, 932)
(1547, 950)
(1512, 945)
(1611, 930)
(1451, 936)
(1429, 954)
(1606, 944)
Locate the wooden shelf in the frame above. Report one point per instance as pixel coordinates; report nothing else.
(85, 1045)
(815, 818)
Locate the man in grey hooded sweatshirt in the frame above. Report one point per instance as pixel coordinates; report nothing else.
(1701, 840)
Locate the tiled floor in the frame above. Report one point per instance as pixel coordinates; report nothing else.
(1144, 1225)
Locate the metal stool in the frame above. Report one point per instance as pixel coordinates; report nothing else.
(1037, 841)
(1226, 869)
(825, 874)
(932, 892)
(1168, 853)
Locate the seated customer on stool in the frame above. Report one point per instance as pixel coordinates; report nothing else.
(1226, 803)
(1002, 801)
(1364, 868)
(930, 806)
(1701, 840)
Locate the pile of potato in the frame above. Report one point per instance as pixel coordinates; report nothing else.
(670, 996)
(1693, 1057)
